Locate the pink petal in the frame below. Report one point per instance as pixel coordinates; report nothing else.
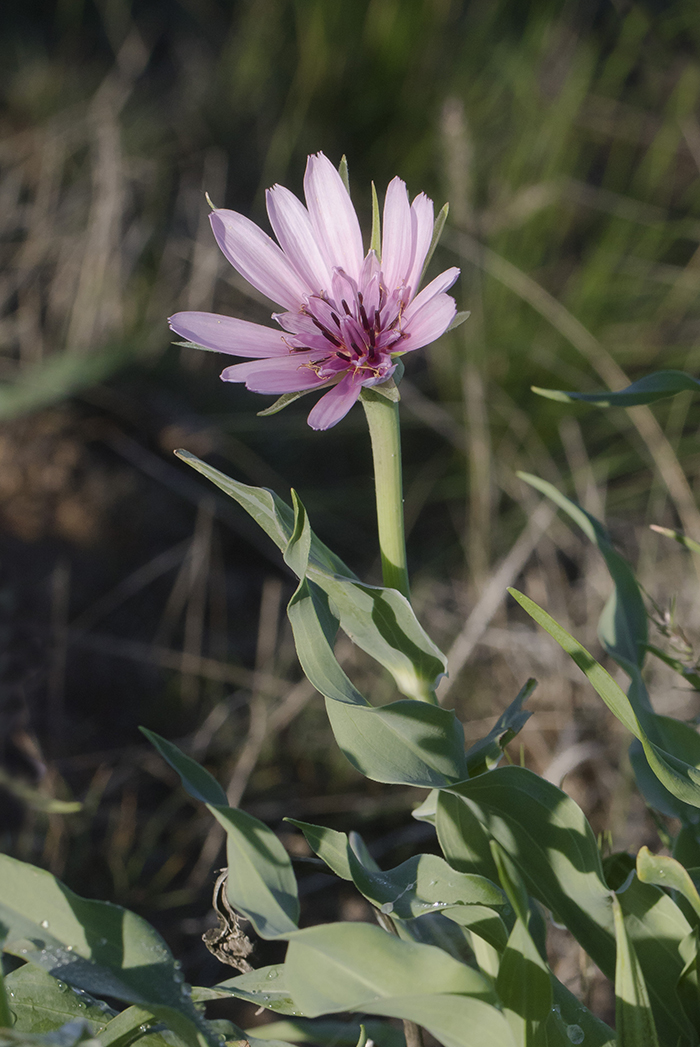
(441, 283)
(397, 239)
(422, 222)
(336, 403)
(258, 258)
(227, 334)
(292, 226)
(287, 374)
(428, 323)
(333, 216)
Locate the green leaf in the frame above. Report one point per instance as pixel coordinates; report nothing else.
(196, 780)
(647, 390)
(383, 624)
(344, 172)
(482, 921)
(69, 1035)
(523, 983)
(296, 555)
(633, 1015)
(387, 390)
(404, 743)
(380, 621)
(423, 884)
(623, 624)
(463, 839)
(487, 753)
(551, 844)
(666, 872)
(455, 1021)
(426, 811)
(271, 513)
(261, 882)
(350, 966)
(679, 777)
(511, 883)
(265, 987)
(657, 928)
(438, 226)
(314, 628)
(283, 401)
(375, 240)
(570, 1022)
(95, 946)
(128, 1026)
(459, 319)
(40, 1003)
(330, 1032)
(683, 741)
(329, 844)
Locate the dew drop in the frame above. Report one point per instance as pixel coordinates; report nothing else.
(69, 948)
(61, 986)
(45, 924)
(273, 973)
(575, 1033)
(386, 908)
(143, 1028)
(13, 1017)
(12, 996)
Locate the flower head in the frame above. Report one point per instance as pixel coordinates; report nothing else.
(347, 315)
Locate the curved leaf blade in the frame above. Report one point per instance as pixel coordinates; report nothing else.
(647, 390)
(353, 966)
(195, 779)
(261, 882)
(95, 946)
(679, 777)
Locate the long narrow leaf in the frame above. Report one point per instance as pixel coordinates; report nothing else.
(679, 777)
(647, 390)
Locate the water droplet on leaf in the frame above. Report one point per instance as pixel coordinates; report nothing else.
(45, 924)
(386, 908)
(575, 1033)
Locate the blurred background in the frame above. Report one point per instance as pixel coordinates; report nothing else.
(566, 136)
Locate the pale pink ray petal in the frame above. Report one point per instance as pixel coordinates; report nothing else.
(281, 375)
(427, 324)
(333, 216)
(336, 403)
(397, 239)
(422, 222)
(292, 226)
(258, 258)
(227, 334)
(441, 283)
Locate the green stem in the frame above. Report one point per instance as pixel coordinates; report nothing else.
(383, 420)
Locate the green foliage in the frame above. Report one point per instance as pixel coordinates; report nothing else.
(647, 390)
(634, 1020)
(96, 948)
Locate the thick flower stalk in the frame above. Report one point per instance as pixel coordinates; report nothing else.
(347, 315)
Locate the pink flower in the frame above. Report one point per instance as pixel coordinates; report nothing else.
(347, 315)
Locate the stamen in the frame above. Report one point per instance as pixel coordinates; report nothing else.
(363, 317)
(345, 306)
(325, 332)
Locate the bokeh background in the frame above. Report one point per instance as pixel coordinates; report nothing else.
(566, 136)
